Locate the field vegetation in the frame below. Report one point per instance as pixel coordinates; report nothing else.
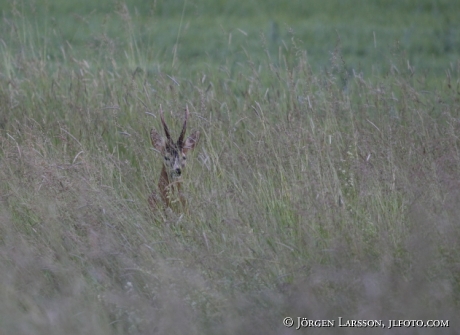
(326, 182)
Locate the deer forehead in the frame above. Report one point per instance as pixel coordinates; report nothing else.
(174, 150)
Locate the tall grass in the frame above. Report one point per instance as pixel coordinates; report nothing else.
(317, 195)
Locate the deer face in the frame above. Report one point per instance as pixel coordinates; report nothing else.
(174, 153)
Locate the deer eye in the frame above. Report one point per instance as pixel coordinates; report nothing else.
(166, 158)
(183, 157)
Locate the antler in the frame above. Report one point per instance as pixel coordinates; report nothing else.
(180, 141)
(165, 127)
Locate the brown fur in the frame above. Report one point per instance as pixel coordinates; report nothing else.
(174, 154)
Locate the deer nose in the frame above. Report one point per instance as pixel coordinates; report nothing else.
(178, 171)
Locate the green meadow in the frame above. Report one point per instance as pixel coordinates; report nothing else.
(325, 184)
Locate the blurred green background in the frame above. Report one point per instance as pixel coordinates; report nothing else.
(187, 36)
(325, 183)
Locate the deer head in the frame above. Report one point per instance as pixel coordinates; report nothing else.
(174, 153)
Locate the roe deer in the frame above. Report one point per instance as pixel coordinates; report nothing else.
(175, 155)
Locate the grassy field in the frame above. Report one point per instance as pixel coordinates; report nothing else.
(326, 182)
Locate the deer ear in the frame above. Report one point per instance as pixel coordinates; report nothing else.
(158, 141)
(191, 141)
